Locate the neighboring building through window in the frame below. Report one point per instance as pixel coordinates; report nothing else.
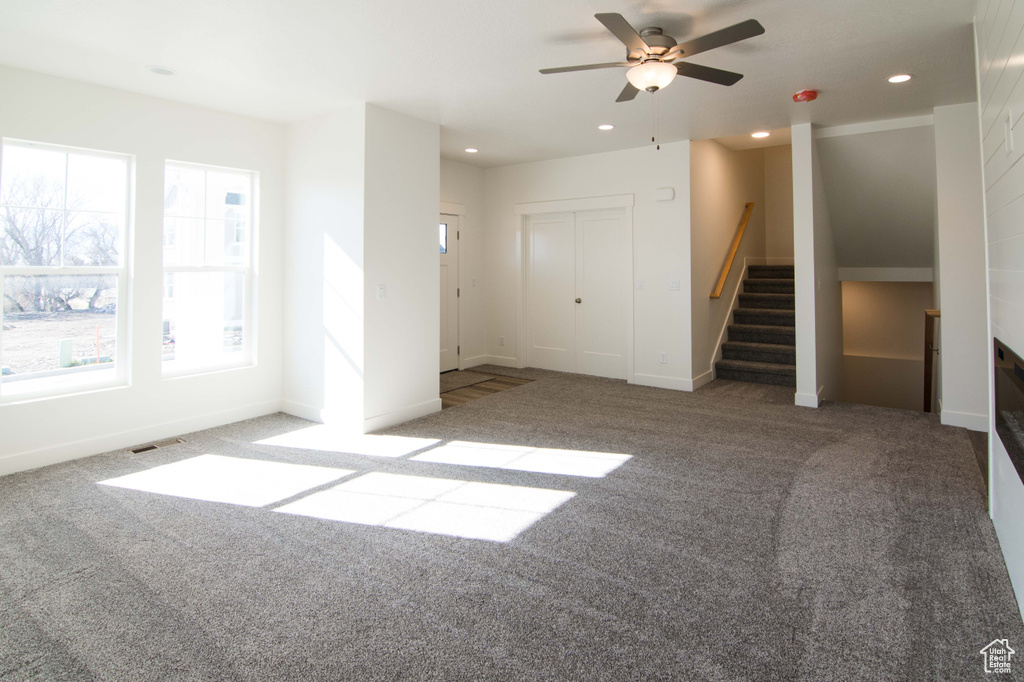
(63, 243)
(209, 225)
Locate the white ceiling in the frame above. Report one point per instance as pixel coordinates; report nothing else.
(472, 66)
(881, 193)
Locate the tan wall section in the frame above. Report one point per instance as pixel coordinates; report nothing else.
(778, 201)
(883, 342)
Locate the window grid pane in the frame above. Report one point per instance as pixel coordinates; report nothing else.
(207, 261)
(63, 212)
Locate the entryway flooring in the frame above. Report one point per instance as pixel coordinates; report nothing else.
(480, 390)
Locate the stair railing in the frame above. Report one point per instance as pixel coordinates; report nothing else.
(717, 293)
(931, 318)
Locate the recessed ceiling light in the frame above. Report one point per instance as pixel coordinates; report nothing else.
(161, 70)
(900, 78)
(760, 134)
(605, 126)
(471, 150)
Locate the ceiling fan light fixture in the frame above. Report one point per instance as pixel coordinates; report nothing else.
(651, 76)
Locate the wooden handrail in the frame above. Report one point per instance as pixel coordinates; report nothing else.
(929, 348)
(732, 251)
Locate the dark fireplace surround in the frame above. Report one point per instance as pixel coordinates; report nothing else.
(1009, 386)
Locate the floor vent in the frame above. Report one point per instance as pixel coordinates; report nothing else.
(158, 444)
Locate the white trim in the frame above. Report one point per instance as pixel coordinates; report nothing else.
(808, 400)
(874, 126)
(705, 378)
(886, 275)
(302, 410)
(475, 360)
(453, 209)
(967, 420)
(400, 416)
(34, 459)
(499, 360)
(574, 205)
(655, 381)
(776, 260)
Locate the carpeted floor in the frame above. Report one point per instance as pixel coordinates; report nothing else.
(742, 539)
(451, 381)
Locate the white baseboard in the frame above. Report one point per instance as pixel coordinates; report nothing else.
(499, 360)
(705, 378)
(23, 461)
(382, 421)
(302, 410)
(655, 381)
(806, 399)
(474, 361)
(967, 420)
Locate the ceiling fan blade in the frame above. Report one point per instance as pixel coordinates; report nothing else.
(726, 36)
(706, 73)
(621, 29)
(628, 93)
(585, 67)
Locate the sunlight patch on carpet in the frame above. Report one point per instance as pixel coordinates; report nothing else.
(328, 438)
(480, 511)
(524, 458)
(233, 480)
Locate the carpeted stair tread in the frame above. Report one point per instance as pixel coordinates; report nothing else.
(753, 345)
(762, 328)
(768, 300)
(770, 272)
(747, 365)
(768, 286)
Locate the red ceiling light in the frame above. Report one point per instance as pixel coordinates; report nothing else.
(805, 96)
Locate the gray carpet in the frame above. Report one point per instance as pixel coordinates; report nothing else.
(746, 539)
(451, 381)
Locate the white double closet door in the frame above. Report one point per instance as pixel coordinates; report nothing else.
(579, 274)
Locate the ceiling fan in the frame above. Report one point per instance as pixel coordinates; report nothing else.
(650, 55)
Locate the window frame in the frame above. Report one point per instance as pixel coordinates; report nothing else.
(122, 359)
(248, 357)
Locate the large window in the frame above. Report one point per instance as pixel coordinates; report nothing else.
(209, 231)
(63, 243)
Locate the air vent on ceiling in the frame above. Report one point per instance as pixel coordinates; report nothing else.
(157, 444)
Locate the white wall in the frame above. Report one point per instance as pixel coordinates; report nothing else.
(778, 203)
(961, 235)
(1000, 61)
(324, 317)
(464, 184)
(363, 186)
(401, 252)
(819, 303)
(65, 112)
(722, 182)
(661, 247)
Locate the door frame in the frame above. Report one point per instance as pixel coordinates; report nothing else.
(459, 212)
(522, 211)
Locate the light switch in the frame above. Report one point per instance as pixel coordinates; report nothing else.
(382, 292)
(673, 285)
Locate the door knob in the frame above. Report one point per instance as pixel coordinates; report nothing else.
(579, 300)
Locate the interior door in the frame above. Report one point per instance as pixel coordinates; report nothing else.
(551, 290)
(603, 281)
(449, 243)
(578, 279)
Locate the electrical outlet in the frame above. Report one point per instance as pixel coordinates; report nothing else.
(673, 285)
(664, 358)
(501, 340)
(639, 284)
(382, 292)
(474, 283)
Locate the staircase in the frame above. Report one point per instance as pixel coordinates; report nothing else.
(761, 345)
